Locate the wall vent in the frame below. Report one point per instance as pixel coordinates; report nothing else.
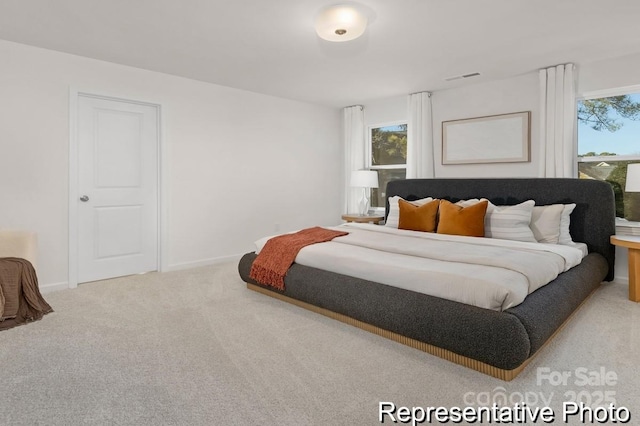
(458, 77)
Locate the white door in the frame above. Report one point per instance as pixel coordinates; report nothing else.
(118, 188)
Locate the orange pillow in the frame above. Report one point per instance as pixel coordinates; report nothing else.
(418, 218)
(457, 220)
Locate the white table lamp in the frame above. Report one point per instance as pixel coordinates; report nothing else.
(633, 178)
(364, 179)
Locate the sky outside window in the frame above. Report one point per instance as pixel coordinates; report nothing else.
(625, 141)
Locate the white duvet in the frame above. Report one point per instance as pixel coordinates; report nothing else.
(485, 272)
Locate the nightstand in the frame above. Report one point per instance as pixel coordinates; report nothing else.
(367, 218)
(633, 244)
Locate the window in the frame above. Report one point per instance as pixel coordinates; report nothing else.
(388, 155)
(609, 140)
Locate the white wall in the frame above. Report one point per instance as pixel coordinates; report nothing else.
(610, 74)
(240, 165)
(388, 110)
(496, 97)
(474, 100)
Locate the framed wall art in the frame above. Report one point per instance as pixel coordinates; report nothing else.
(504, 138)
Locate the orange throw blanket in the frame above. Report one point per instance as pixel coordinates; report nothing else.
(277, 255)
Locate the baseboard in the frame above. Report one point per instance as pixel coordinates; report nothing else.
(621, 280)
(203, 262)
(50, 288)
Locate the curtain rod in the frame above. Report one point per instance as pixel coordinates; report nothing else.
(424, 91)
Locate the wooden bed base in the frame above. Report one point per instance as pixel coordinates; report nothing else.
(499, 373)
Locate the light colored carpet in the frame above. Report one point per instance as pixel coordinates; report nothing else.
(197, 348)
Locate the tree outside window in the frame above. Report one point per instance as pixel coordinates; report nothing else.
(608, 141)
(388, 155)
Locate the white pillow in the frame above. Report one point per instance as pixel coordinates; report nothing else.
(545, 223)
(393, 218)
(467, 203)
(509, 222)
(565, 221)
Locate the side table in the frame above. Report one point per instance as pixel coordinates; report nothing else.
(367, 218)
(633, 244)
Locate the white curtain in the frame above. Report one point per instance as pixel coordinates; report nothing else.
(420, 161)
(354, 153)
(558, 148)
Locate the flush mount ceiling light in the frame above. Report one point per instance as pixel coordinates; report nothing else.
(340, 23)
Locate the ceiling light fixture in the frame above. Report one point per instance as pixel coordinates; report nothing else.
(340, 23)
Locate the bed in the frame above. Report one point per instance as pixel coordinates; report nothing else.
(498, 343)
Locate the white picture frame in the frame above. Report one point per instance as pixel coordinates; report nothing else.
(503, 138)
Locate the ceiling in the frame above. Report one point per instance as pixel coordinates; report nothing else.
(270, 46)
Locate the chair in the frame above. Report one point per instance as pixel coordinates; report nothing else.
(22, 244)
(20, 301)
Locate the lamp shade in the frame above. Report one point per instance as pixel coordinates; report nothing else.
(633, 178)
(340, 23)
(364, 178)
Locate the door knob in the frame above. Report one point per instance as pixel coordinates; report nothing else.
(84, 198)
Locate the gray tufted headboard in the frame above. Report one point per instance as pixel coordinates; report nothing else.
(592, 221)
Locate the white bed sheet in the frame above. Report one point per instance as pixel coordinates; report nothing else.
(488, 273)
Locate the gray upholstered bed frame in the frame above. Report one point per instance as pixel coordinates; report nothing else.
(495, 343)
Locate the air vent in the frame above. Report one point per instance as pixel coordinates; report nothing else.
(458, 77)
